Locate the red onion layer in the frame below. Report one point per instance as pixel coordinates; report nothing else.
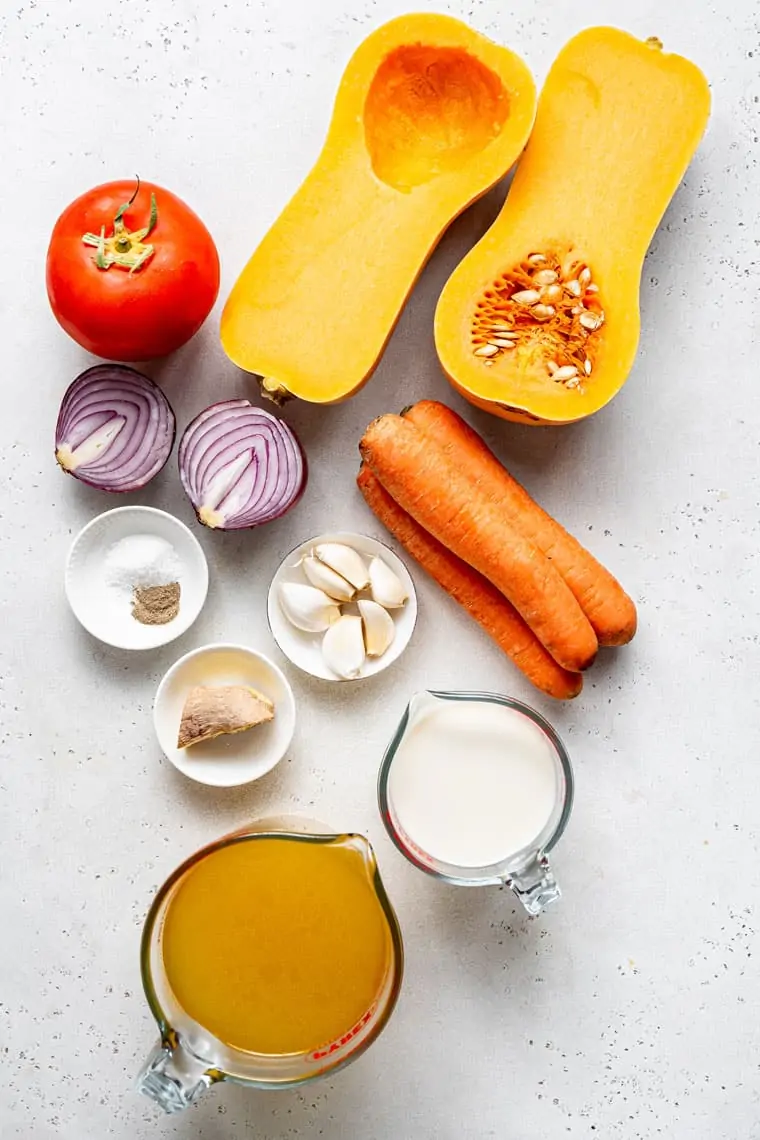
(240, 466)
(115, 429)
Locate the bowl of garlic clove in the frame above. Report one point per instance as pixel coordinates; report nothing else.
(342, 606)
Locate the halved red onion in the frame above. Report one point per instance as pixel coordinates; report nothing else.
(115, 429)
(240, 466)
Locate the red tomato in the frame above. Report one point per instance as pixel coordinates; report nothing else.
(135, 295)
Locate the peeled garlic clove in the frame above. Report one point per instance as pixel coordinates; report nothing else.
(379, 630)
(386, 588)
(307, 608)
(321, 576)
(343, 647)
(344, 561)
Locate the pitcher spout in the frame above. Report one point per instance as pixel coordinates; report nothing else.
(421, 703)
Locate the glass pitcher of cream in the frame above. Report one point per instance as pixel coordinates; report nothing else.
(268, 958)
(476, 789)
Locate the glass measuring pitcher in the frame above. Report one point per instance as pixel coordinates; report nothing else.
(268, 958)
(476, 789)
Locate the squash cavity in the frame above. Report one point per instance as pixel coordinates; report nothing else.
(546, 314)
(430, 110)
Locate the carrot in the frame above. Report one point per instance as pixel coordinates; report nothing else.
(440, 498)
(474, 593)
(604, 601)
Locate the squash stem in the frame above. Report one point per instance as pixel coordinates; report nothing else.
(273, 390)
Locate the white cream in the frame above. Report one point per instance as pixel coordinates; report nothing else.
(473, 782)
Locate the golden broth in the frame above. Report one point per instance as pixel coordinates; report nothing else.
(276, 945)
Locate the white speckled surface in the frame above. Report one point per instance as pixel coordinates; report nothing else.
(631, 1010)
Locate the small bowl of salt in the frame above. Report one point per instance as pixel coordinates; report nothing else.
(136, 578)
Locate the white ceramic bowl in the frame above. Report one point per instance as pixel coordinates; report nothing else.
(240, 757)
(305, 649)
(105, 613)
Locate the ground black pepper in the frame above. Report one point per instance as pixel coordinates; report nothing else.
(156, 605)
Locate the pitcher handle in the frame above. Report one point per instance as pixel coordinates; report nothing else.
(173, 1078)
(535, 885)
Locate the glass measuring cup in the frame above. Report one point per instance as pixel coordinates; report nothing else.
(188, 1058)
(525, 870)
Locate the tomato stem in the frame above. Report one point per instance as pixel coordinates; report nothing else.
(125, 248)
(123, 209)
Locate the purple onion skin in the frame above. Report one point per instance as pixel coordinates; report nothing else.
(118, 374)
(188, 474)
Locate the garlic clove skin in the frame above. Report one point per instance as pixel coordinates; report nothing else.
(343, 647)
(345, 561)
(308, 608)
(325, 579)
(386, 588)
(378, 625)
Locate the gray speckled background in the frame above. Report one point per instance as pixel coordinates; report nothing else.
(631, 1010)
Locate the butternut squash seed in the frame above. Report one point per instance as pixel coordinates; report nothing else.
(547, 308)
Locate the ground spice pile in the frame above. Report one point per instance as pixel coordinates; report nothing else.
(156, 605)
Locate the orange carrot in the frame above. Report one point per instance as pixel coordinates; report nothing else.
(474, 593)
(441, 499)
(604, 601)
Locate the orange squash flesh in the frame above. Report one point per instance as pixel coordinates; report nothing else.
(429, 115)
(618, 122)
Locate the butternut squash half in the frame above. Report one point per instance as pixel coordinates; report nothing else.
(540, 321)
(428, 116)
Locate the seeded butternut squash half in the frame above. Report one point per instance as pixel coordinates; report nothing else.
(540, 321)
(428, 116)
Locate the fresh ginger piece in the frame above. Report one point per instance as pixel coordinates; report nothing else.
(224, 709)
